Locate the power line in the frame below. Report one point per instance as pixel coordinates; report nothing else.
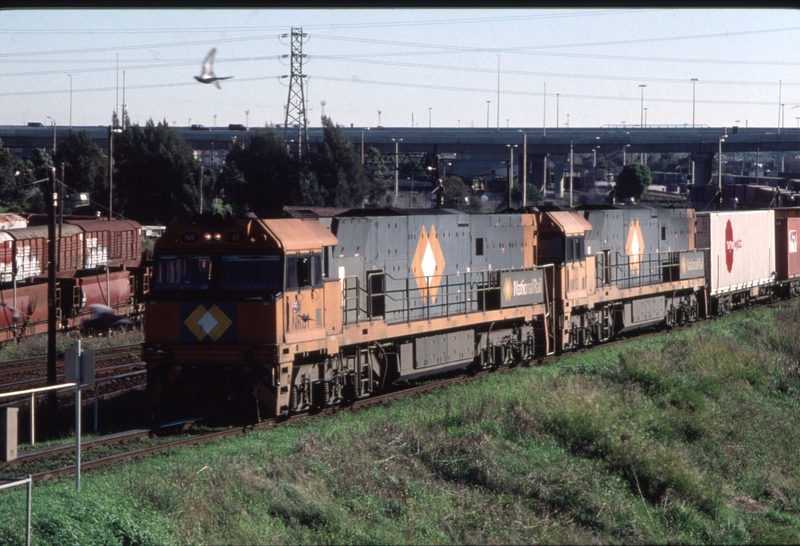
(405, 23)
(111, 67)
(528, 49)
(143, 46)
(534, 73)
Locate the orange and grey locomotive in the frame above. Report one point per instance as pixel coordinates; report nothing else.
(249, 317)
(281, 315)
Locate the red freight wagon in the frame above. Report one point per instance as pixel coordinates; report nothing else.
(30, 252)
(117, 242)
(80, 293)
(6, 257)
(24, 308)
(70, 248)
(787, 256)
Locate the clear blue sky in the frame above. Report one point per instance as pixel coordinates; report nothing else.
(438, 66)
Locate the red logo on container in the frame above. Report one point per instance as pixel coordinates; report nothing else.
(730, 245)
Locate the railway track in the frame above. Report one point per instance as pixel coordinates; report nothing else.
(31, 373)
(31, 461)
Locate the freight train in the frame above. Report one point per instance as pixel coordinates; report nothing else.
(98, 262)
(254, 317)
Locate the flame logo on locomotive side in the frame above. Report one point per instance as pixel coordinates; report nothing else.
(731, 244)
(428, 263)
(634, 246)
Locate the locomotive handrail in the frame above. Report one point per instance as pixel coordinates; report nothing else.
(468, 294)
(658, 268)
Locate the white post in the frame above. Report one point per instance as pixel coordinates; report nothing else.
(33, 419)
(78, 381)
(28, 512)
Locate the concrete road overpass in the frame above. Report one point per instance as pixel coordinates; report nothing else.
(477, 149)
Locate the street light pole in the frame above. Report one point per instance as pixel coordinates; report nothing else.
(510, 170)
(110, 171)
(70, 100)
(694, 82)
(111, 131)
(54, 135)
(487, 113)
(571, 167)
(544, 111)
(557, 122)
(524, 170)
(571, 163)
(719, 161)
(498, 91)
(642, 86)
(396, 167)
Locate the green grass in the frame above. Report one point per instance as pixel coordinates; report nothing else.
(688, 437)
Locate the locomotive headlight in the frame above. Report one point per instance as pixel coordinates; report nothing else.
(207, 237)
(217, 237)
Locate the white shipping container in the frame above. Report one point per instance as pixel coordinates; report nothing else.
(741, 248)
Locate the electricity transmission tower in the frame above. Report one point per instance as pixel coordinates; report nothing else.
(295, 129)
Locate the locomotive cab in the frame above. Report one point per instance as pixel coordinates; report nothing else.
(245, 295)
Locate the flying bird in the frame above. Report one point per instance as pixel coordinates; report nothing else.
(208, 70)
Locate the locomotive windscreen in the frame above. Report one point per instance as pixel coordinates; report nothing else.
(251, 273)
(183, 272)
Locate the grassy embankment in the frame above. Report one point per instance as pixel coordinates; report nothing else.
(688, 437)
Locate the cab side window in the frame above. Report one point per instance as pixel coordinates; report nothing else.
(303, 271)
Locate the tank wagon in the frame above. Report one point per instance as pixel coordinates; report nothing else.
(98, 262)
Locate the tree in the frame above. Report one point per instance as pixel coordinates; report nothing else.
(338, 169)
(633, 181)
(85, 167)
(378, 175)
(261, 176)
(13, 180)
(155, 180)
(534, 194)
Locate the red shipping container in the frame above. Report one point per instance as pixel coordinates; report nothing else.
(787, 256)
